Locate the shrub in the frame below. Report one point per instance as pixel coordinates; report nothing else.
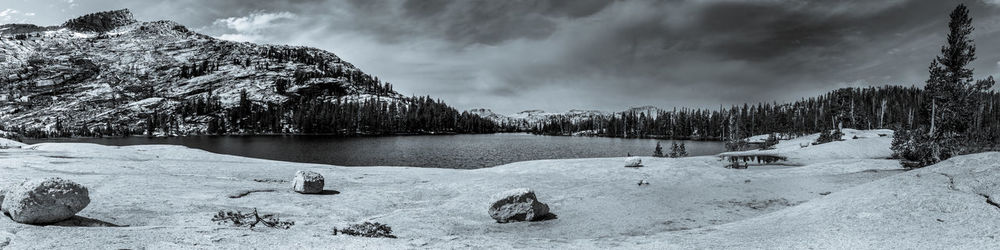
(250, 219)
(826, 136)
(737, 145)
(770, 142)
(917, 148)
(658, 152)
(367, 229)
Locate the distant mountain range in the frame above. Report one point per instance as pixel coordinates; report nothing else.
(108, 69)
(529, 119)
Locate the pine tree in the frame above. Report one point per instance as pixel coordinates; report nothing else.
(950, 77)
(674, 150)
(954, 100)
(658, 152)
(682, 151)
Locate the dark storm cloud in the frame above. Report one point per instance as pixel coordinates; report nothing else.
(475, 21)
(596, 54)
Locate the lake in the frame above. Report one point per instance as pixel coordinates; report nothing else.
(435, 151)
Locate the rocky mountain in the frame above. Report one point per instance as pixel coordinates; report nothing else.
(649, 111)
(108, 69)
(529, 119)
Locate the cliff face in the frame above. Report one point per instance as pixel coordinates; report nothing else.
(107, 68)
(101, 21)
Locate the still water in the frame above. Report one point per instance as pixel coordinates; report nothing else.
(435, 151)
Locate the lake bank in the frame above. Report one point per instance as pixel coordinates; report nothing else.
(167, 195)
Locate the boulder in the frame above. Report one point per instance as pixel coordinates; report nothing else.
(3, 192)
(633, 162)
(517, 205)
(308, 182)
(45, 201)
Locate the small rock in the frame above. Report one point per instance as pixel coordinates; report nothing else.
(45, 201)
(633, 162)
(824, 193)
(517, 205)
(308, 182)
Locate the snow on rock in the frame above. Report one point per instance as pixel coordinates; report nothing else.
(943, 206)
(599, 204)
(43, 201)
(308, 182)
(633, 162)
(856, 144)
(517, 205)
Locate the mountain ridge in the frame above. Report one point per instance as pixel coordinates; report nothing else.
(110, 70)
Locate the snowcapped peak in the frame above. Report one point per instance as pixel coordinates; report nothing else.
(482, 112)
(584, 112)
(532, 111)
(644, 109)
(648, 110)
(101, 21)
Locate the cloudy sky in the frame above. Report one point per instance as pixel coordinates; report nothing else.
(558, 55)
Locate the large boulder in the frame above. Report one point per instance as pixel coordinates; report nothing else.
(308, 182)
(517, 205)
(45, 201)
(633, 162)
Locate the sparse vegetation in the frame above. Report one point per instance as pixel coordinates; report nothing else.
(250, 219)
(678, 150)
(827, 136)
(367, 229)
(770, 142)
(736, 145)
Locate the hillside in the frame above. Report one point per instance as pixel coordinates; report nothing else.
(107, 70)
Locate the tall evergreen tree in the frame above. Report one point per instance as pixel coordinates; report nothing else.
(951, 77)
(954, 101)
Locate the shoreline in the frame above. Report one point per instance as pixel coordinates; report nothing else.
(173, 190)
(457, 151)
(165, 197)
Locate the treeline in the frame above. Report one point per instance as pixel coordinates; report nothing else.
(892, 107)
(207, 115)
(371, 116)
